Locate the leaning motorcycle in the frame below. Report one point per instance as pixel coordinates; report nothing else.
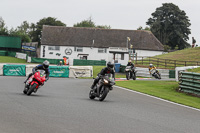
(130, 73)
(34, 82)
(102, 88)
(155, 73)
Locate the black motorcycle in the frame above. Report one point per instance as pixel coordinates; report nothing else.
(130, 73)
(102, 88)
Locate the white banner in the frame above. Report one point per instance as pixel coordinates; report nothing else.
(1, 69)
(80, 71)
(21, 55)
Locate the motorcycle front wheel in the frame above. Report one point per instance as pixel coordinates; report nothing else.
(25, 89)
(134, 76)
(127, 75)
(103, 93)
(31, 89)
(91, 96)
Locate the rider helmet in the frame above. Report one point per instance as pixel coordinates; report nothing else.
(45, 64)
(110, 65)
(150, 65)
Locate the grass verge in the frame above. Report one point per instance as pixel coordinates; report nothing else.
(162, 89)
(196, 70)
(7, 59)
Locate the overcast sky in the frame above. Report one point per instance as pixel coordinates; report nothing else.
(119, 14)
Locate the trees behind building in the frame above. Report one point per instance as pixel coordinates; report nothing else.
(170, 25)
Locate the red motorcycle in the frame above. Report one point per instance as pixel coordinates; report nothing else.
(34, 82)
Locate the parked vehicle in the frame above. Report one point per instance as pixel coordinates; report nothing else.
(155, 73)
(130, 73)
(34, 82)
(102, 88)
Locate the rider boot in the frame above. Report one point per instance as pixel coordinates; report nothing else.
(92, 87)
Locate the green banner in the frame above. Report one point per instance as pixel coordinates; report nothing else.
(14, 70)
(59, 71)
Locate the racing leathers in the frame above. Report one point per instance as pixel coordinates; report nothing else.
(40, 67)
(105, 70)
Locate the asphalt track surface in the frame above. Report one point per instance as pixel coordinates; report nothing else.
(62, 106)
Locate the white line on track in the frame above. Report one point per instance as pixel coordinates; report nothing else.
(157, 98)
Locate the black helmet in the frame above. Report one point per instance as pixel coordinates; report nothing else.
(45, 64)
(110, 65)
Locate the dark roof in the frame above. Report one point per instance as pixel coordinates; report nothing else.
(96, 37)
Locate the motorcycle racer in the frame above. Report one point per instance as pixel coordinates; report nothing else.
(44, 66)
(105, 70)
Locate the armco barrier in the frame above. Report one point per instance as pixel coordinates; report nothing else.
(80, 71)
(14, 70)
(59, 71)
(189, 82)
(144, 72)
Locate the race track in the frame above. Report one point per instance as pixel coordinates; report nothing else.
(62, 105)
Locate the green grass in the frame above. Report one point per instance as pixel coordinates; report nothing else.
(189, 54)
(196, 70)
(97, 69)
(162, 89)
(167, 60)
(7, 59)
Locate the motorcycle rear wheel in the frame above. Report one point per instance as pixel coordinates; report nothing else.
(31, 89)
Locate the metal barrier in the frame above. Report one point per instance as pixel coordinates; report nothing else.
(189, 82)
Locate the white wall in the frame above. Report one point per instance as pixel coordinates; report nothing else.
(148, 53)
(92, 54)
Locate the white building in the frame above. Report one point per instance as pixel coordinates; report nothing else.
(96, 44)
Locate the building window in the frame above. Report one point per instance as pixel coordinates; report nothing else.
(130, 51)
(122, 56)
(102, 50)
(56, 48)
(78, 49)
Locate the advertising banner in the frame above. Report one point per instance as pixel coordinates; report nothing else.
(81, 71)
(1, 69)
(28, 48)
(14, 70)
(59, 71)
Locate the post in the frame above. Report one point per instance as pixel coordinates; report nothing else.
(175, 64)
(142, 60)
(136, 58)
(157, 62)
(149, 60)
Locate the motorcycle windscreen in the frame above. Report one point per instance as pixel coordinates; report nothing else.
(153, 71)
(110, 77)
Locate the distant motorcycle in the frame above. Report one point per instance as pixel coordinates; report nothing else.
(155, 73)
(130, 73)
(102, 88)
(34, 82)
